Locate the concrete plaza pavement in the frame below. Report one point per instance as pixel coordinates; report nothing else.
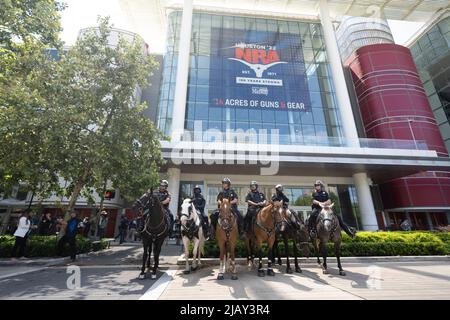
(113, 273)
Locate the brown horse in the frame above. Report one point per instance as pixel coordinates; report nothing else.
(292, 228)
(328, 229)
(226, 235)
(263, 230)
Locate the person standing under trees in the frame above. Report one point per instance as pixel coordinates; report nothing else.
(70, 236)
(21, 235)
(46, 226)
(123, 226)
(102, 223)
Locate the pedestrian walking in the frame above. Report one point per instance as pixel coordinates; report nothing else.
(132, 230)
(21, 235)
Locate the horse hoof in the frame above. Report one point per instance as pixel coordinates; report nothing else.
(342, 273)
(270, 272)
(187, 271)
(261, 273)
(220, 277)
(280, 262)
(141, 276)
(234, 277)
(194, 268)
(325, 272)
(153, 276)
(289, 270)
(298, 270)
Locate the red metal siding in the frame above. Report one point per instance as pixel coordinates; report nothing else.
(394, 105)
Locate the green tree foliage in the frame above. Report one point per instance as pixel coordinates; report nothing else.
(27, 29)
(76, 117)
(106, 136)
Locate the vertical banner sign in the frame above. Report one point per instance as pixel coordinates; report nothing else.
(257, 70)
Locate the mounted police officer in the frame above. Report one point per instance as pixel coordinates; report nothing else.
(320, 196)
(165, 198)
(230, 194)
(199, 203)
(256, 201)
(280, 196)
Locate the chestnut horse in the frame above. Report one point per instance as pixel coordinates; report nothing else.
(226, 235)
(263, 230)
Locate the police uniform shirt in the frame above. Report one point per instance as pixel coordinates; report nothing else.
(199, 202)
(255, 196)
(162, 197)
(229, 194)
(320, 196)
(279, 197)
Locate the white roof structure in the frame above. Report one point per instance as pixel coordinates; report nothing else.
(148, 17)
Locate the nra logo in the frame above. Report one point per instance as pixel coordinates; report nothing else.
(259, 58)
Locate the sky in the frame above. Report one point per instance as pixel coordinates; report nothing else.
(83, 13)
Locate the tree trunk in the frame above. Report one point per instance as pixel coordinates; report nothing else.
(74, 197)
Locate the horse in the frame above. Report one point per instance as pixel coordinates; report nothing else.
(226, 235)
(292, 228)
(328, 229)
(191, 231)
(156, 229)
(263, 229)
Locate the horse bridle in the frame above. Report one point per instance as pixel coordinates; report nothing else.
(148, 217)
(268, 231)
(189, 230)
(321, 219)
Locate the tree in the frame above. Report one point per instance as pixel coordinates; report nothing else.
(106, 136)
(27, 29)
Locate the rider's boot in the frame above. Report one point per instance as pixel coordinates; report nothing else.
(312, 227)
(349, 230)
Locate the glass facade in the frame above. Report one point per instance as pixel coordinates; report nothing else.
(320, 122)
(431, 54)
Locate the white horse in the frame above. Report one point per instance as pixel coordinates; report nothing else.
(191, 231)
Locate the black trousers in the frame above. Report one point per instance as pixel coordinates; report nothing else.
(19, 244)
(72, 245)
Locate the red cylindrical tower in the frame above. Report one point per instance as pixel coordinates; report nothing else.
(394, 105)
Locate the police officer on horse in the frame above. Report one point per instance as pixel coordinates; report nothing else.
(165, 198)
(230, 194)
(280, 196)
(256, 201)
(320, 196)
(199, 203)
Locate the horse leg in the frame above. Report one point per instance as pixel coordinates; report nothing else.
(233, 262)
(316, 250)
(337, 251)
(323, 250)
(248, 244)
(149, 256)
(286, 252)
(261, 272)
(144, 259)
(222, 260)
(297, 267)
(269, 260)
(194, 254)
(277, 249)
(157, 250)
(187, 268)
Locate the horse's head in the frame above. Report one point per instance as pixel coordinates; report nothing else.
(186, 211)
(279, 215)
(326, 215)
(225, 214)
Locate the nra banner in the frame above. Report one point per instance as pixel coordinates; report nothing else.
(257, 70)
